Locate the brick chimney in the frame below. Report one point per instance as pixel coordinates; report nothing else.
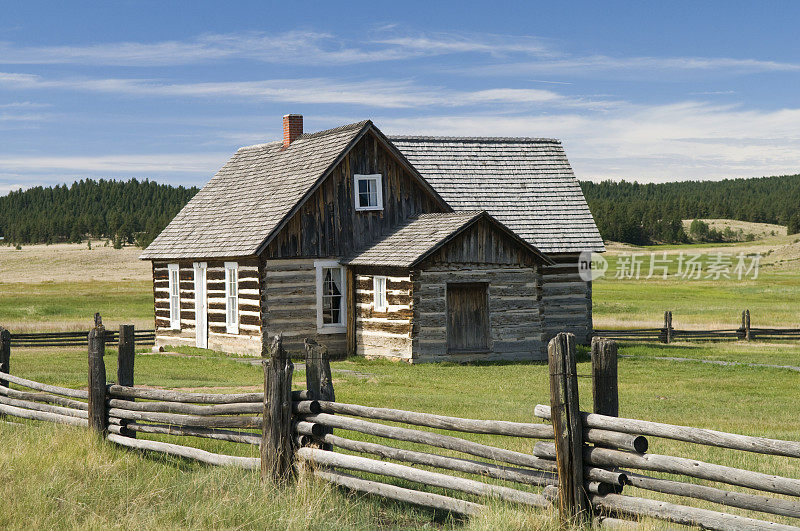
(292, 128)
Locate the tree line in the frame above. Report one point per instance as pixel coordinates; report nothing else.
(132, 212)
(135, 212)
(637, 213)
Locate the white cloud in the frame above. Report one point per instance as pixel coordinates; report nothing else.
(650, 143)
(142, 164)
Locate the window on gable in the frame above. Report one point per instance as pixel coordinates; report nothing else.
(174, 296)
(331, 306)
(379, 294)
(232, 297)
(368, 192)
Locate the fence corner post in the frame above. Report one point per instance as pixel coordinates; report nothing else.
(277, 445)
(126, 353)
(573, 503)
(605, 390)
(98, 417)
(5, 354)
(666, 332)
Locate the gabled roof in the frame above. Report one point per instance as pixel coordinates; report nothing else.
(526, 183)
(244, 205)
(417, 238)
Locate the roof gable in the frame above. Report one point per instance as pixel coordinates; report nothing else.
(526, 183)
(416, 240)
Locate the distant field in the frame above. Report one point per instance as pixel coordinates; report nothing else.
(773, 298)
(758, 230)
(61, 286)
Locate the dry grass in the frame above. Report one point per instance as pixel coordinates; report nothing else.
(759, 230)
(69, 262)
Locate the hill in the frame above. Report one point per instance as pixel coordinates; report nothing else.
(637, 213)
(122, 211)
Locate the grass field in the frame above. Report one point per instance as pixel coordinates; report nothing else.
(754, 401)
(61, 478)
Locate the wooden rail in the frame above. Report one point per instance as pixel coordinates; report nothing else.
(74, 339)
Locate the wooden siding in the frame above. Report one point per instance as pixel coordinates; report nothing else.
(327, 225)
(482, 243)
(566, 299)
(384, 334)
(290, 306)
(247, 341)
(514, 314)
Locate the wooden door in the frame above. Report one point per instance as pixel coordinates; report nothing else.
(467, 317)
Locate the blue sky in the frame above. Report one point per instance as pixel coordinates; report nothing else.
(651, 91)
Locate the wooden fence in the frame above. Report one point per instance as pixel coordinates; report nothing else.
(74, 339)
(580, 461)
(668, 334)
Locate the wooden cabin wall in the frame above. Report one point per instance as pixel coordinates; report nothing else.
(290, 305)
(328, 225)
(566, 299)
(482, 243)
(247, 341)
(513, 304)
(384, 334)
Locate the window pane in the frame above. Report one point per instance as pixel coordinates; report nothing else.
(367, 193)
(331, 295)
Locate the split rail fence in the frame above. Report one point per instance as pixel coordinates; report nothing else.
(580, 462)
(668, 334)
(74, 339)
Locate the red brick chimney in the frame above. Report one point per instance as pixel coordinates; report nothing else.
(292, 128)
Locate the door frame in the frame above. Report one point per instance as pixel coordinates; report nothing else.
(201, 304)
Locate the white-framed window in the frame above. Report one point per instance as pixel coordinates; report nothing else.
(174, 276)
(369, 192)
(331, 303)
(232, 297)
(379, 294)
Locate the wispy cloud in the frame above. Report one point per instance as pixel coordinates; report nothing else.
(374, 93)
(142, 164)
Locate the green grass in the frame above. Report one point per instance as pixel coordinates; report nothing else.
(39, 307)
(754, 401)
(773, 298)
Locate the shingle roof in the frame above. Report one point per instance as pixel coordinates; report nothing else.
(250, 195)
(415, 239)
(526, 183)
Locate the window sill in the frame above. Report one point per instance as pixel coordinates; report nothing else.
(333, 329)
(369, 209)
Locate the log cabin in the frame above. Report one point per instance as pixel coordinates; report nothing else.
(392, 248)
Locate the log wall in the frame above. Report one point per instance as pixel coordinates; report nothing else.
(566, 299)
(514, 312)
(247, 341)
(327, 225)
(384, 334)
(290, 305)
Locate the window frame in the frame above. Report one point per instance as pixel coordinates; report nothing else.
(376, 281)
(174, 284)
(331, 328)
(378, 178)
(231, 326)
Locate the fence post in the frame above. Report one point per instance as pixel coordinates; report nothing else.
(604, 377)
(573, 503)
(98, 419)
(5, 354)
(747, 335)
(666, 332)
(126, 353)
(318, 376)
(277, 447)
